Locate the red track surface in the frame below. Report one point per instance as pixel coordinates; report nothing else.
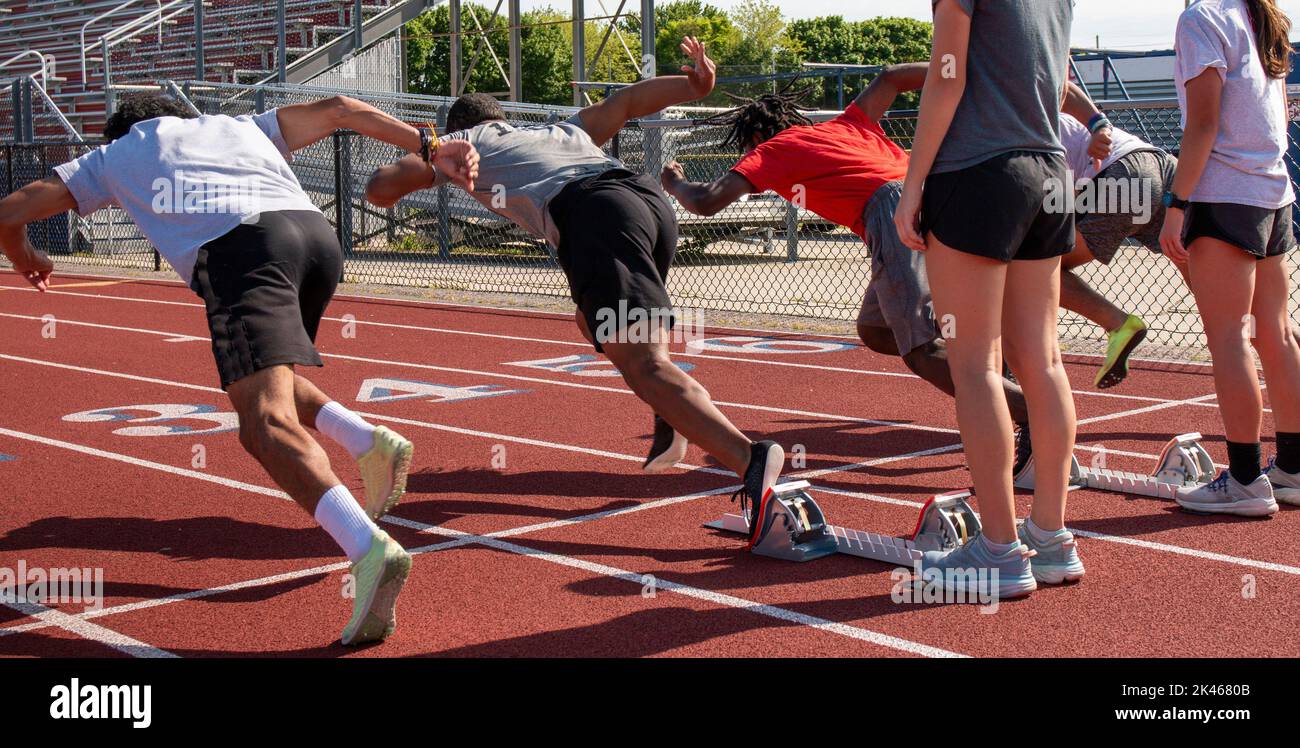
(552, 554)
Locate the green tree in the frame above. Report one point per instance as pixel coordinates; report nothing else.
(683, 18)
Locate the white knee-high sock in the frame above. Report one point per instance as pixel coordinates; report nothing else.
(346, 428)
(344, 519)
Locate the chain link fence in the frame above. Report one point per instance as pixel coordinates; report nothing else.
(761, 255)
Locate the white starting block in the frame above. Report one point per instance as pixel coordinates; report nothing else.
(794, 529)
(1183, 462)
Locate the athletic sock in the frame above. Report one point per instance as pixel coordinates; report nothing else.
(1038, 534)
(1243, 461)
(1288, 452)
(346, 428)
(999, 549)
(344, 519)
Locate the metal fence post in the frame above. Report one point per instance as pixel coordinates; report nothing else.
(791, 233)
(200, 68)
(357, 19)
(444, 212)
(281, 58)
(9, 166)
(342, 194)
(259, 101)
(29, 115)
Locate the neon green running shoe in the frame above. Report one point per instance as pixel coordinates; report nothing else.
(384, 469)
(1119, 344)
(378, 578)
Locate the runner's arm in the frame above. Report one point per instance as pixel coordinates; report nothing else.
(37, 201)
(877, 98)
(604, 119)
(704, 198)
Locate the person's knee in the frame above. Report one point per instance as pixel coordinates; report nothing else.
(878, 339)
(1272, 341)
(264, 431)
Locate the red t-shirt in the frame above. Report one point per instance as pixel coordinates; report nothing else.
(840, 165)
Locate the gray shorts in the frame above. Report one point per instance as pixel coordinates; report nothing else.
(1150, 171)
(898, 296)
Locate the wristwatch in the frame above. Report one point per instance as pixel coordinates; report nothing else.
(1173, 201)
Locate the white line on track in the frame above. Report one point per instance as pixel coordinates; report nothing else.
(803, 475)
(427, 303)
(717, 598)
(87, 630)
(1203, 400)
(551, 341)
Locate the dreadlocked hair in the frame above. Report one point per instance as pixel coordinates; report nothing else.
(757, 120)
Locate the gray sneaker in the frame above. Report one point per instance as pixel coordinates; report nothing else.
(972, 567)
(1224, 495)
(1286, 486)
(1055, 561)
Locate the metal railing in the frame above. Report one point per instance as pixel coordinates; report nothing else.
(129, 26)
(760, 255)
(47, 70)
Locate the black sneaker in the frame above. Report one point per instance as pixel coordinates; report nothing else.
(1024, 449)
(667, 448)
(766, 458)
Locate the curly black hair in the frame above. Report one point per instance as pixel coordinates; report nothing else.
(473, 109)
(757, 120)
(141, 107)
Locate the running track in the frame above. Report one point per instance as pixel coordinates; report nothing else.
(534, 530)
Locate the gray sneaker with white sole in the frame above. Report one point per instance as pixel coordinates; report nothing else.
(1286, 486)
(1224, 495)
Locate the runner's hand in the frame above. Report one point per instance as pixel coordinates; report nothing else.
(458, 160)
(703, 74)
(907, 218)
(672, 174)
(36, 267)
(1171, 236)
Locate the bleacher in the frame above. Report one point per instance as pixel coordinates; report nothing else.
(240, 45)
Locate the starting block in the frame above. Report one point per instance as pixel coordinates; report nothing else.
(795, 529)
(1182, 462)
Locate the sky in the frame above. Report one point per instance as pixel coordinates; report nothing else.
(1120, 24)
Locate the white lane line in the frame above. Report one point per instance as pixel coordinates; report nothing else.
(1120, 539)
(717, 598)
(804, 475)
(87, 630)
(685, 466)
(426, 303)
(180, 337)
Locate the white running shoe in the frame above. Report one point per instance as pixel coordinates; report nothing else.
(1224, 495)
(1286, 486)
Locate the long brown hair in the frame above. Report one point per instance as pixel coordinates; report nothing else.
(1272, 36)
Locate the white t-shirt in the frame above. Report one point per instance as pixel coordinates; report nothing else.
(1075, 137)
(1246, 165)
(186, 182)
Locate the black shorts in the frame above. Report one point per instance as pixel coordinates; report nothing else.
(998, 208)
(618, 235)
(1261, 232)
(266, 285)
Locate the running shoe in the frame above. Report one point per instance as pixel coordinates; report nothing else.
(667, 448)
(1286, 486)
(1024, 450)
(378, 576)
(1119, 345)
(766, 458)
(1054, 561)
(972, 568)
(384, 469)
(1224, 495)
